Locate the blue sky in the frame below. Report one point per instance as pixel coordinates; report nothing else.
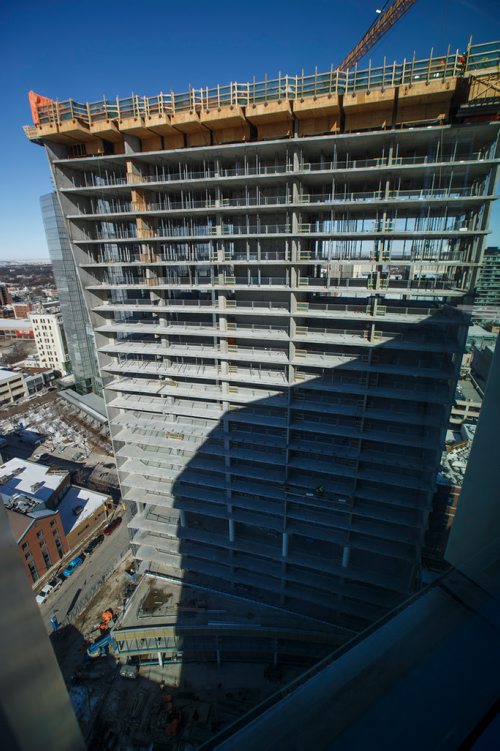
(115, 47)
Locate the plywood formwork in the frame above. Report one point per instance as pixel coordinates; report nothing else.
(106, 129)
(135, 126)
(228, 124)
(76, 130)
(389, 96)
(369, 109)
(319, 114)
(273, 119)
(426, 101)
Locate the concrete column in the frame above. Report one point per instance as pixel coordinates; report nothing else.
(346, 556)
(182, 517)
(231, 530)
(132, 144)
(284, 548)
(160, 659)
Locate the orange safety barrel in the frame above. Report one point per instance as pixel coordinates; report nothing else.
(36, 101)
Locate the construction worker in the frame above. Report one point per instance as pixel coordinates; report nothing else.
(319, 490)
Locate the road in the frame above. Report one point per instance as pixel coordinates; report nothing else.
(85, 578)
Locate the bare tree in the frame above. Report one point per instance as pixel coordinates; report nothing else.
(17, 352)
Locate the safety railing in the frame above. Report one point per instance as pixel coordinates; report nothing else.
(334, 82)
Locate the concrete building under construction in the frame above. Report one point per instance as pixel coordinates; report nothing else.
(276, 273)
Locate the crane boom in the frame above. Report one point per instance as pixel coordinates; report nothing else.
(379, 27)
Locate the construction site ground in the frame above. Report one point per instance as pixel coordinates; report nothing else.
(70, 440)
(124, 714)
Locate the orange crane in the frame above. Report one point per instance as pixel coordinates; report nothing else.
(385, 21)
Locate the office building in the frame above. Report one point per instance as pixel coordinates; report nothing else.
(50, 341)
(75, 316)
(487, 301)
(276, 274)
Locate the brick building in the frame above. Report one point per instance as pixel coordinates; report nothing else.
(40, 537)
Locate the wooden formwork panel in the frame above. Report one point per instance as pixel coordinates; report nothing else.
(187, 122)
(231, 135)
(135, 126)
(76, 130)
(151, 143)
(369, 109)
(223, 118)
(424, 91)
(94, 147)
(269, 112)
(138, 198)
(425, 101)
(422, 112)
(107, 130)
(316, 107)
(201, 138)
(50, 132)
(159, 124)
(366, 118)
(174, 141)
(282, 129)
(317, 125)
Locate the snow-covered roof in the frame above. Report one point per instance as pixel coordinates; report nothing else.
(75, 498)
(32, 479)
(15, 323)
(6, 375)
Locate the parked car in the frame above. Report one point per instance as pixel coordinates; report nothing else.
(72, 565)
(93, 544)
(112, 526)
(55, 582)
(44, 593)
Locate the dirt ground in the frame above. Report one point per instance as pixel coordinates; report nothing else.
(130, 715)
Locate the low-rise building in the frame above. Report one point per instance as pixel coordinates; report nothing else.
(82, 511)
(48, 516)
(467, 404)
(50, 340)
(12, 328)
(44, 484)
(22, 309)
(38, 533)
(12, 386)
(5, 296)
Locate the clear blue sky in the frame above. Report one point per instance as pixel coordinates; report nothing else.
(115, 47)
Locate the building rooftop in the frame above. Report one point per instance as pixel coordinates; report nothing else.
(90, 403)
(479, 331)
(468, 392)
(77, 505)
(164, 601)
(15, 323)
(19, 523)
(6, 375)
(19, 476)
